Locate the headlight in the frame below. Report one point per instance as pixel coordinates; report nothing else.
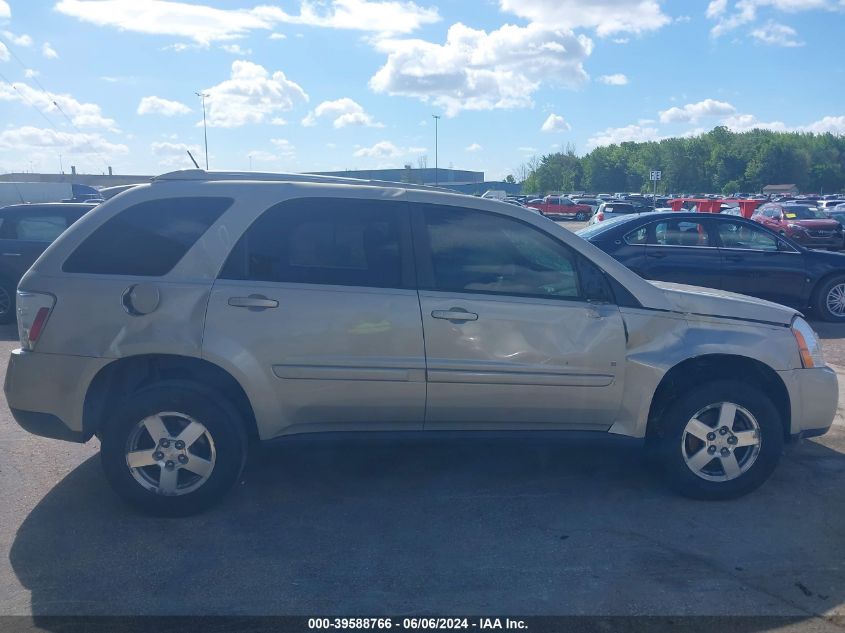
(796, 227)
(808, 344)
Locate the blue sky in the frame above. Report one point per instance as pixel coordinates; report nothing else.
(299, 85)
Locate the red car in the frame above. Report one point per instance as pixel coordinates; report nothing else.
(559, 208)
(805, 224)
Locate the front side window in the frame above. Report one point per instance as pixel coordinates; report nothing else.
(746, 236)
(681, 233)
(331, 241)
(637, 237)
(472, 251)
(146, 239)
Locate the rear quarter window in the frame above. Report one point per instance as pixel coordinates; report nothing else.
(147, 239)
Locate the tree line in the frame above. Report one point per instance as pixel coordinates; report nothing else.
(719, 161)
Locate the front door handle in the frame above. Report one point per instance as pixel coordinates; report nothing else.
(454, 314)
(656, 255)
(253, 301)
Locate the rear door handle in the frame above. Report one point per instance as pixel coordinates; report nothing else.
(656, 255)
(253, 301)
(454, 314)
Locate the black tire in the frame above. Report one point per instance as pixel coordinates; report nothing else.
(821, 299)
(224, 424)
(8, 295)
(670, 440)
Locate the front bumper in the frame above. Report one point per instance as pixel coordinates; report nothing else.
(814, 397)
(46, 392)
(834, 241)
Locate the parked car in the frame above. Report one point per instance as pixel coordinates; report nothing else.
(728, 253)
(806, 225)
(593, 203)
(26, 230)
(608, 210)
(827, 205)
(560, 208)
(185, 317)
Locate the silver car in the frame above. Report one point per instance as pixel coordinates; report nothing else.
(183, 319)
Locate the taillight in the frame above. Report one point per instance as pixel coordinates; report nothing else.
(600, 216)
(33, 311)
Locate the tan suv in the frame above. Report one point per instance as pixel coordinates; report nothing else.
(182, 319)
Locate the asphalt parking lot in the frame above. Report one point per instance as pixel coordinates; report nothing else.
(366, 525)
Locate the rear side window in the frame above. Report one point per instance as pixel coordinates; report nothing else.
(41, 228)
(147, 239)
(330, 241)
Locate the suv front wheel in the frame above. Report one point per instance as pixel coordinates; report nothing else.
(173, 448)
(720, 440)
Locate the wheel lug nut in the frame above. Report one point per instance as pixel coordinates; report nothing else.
(711, 436)
(183, 459)
(165, 443)
(179, 445)
(726, 451)
(711, 449)
(723, 430)
(158, 456)
(732, 440)
(169, 465)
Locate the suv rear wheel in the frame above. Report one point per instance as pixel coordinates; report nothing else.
(173, 449)
(721, 440)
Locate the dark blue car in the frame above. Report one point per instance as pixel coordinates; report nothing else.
(725, 252)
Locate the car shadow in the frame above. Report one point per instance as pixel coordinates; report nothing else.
(9, 332)
(445, 524)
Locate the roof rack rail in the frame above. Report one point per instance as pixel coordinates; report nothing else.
(201, 174)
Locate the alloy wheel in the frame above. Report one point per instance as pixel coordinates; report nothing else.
(835, 300)
(170, 453)
(721, 442)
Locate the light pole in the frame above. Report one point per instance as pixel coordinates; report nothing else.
(203, 95)
(436, 118)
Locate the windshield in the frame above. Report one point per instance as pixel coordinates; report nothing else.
(803, 213)
(599, 228)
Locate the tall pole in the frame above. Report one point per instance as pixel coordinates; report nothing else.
(203, 95)
(436, 120)
(654, 195)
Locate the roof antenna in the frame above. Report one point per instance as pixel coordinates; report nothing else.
(192, 158)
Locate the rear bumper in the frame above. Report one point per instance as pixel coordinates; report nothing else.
(46, 392)
(814, 396)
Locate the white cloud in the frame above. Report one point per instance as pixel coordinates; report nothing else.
(745, 11)
(607, 17)
(616, 135)
(382, 149)
(29, 73)
(82, 114)
(166, 107)
(204, 24)
(48, 51)
(278, 121)
(616, 79)
(28, 138)
(250, 95)
(475, 147)
(342, 112)
(829, 124)
(555, 123)
(174, 155)
(777, 35)
(278, 36)
(477, 70)
(692, 112)
(18, 40)
(235, 49)
(746, 122)
(527, 150)
(363, 15)
(4, 53)
(5, 11)
(284, 147)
